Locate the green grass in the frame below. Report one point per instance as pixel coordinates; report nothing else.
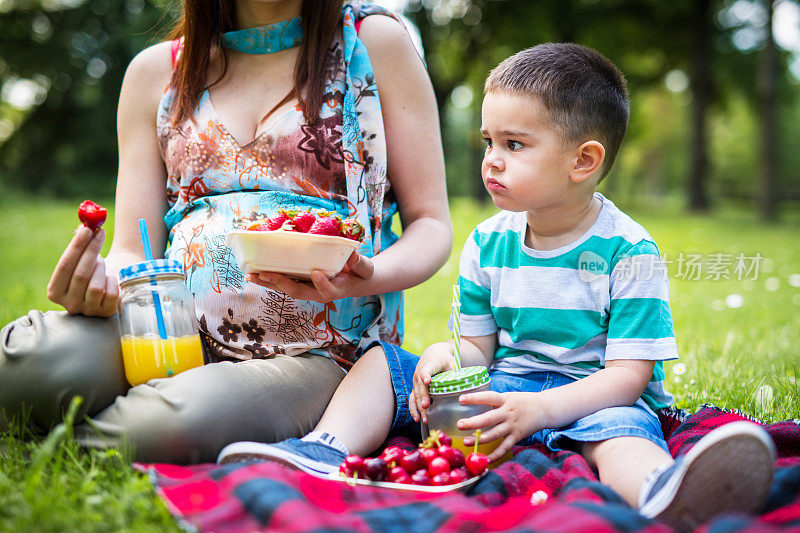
(729, 353)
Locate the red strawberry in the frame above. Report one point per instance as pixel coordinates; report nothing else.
(91, 214)
(303, 221)
(352, 229)
(277, 220)
(327, 225)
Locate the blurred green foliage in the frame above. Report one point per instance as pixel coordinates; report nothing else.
(71, 56)
(76, 53)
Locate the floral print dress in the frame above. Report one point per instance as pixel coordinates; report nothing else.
(216, 185)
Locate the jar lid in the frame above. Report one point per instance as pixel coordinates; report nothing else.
(462, 380)
(153, 267)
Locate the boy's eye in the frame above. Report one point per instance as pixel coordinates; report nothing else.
(514, 145)
(488, 142)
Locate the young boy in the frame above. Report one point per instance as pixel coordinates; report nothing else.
(564, 299)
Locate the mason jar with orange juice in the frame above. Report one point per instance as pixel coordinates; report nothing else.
(157, 322)
(445, 411)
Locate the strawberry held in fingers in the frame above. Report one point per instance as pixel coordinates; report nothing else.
(92, 215)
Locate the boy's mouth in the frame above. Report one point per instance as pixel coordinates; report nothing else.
(494, 185)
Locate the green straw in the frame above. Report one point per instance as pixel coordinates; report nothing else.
(457, 325)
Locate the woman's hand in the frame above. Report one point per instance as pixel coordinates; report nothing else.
(349, 282)
(435, 359)
(80, 282)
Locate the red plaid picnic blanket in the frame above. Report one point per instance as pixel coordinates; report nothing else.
(271, 497)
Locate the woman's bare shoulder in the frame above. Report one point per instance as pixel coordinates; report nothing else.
(152, 65)
(385, 36)
(148, 74)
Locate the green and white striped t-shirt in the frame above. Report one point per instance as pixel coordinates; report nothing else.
(603, 297)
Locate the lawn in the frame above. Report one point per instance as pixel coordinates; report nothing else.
(739, 340)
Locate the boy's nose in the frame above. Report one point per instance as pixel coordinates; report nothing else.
(494, 162)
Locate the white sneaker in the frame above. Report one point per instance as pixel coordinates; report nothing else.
(727, 471)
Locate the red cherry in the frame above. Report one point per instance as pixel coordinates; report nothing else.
(454, 456)
(355, 464)
(442, 478)
(352, 465)
(396, 473)
(375, 469)
(457, 475)
(392, 454)
(429, 454)
(421, 477)
(412, 462)
(438, 465)
(445, 440)
(477, 463)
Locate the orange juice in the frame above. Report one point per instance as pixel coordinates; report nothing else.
(484, 447)
(147, 358)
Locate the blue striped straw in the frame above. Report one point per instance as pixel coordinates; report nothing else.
(457, 325)
(148, 254)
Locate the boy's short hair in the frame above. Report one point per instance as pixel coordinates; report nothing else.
(583, 91)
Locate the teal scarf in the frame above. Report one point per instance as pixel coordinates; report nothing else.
(265, 39)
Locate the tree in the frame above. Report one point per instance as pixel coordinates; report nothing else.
(78, 55)
(701, 94)
(767, 84)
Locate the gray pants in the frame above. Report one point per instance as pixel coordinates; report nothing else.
(47, 359)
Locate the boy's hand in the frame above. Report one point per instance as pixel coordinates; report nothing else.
(434, 360)
(512, 419)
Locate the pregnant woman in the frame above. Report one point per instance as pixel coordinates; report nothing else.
(253, 106)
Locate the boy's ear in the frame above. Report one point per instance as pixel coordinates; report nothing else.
(589, 158)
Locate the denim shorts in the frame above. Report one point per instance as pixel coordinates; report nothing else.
(633, 421)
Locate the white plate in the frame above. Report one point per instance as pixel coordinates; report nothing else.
(403, 486)
(291, 253)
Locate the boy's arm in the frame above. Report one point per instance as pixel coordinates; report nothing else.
(517, 415)
(439, 357)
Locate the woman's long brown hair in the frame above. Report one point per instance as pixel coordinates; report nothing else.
(202, 24)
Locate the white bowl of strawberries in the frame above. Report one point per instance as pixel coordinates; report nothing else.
(296, 243)
(433, 467)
